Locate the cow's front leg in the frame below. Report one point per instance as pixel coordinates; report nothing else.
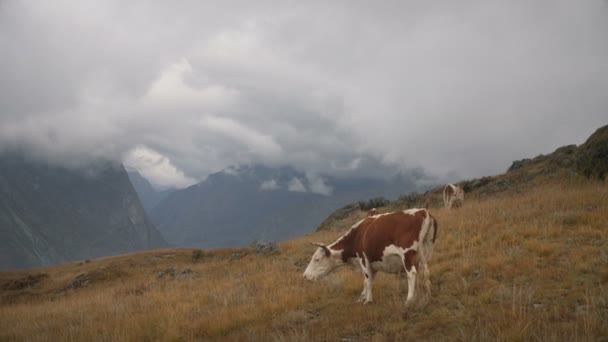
(366, 295)
(363, 294)
(368, 275)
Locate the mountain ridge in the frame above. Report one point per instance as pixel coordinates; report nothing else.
(50, 214)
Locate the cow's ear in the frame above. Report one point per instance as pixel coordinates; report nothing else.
(325, 249)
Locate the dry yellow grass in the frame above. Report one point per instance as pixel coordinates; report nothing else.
(526, 265)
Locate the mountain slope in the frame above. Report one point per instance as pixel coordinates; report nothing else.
(148, 196)
(239, 205)
(51, 214)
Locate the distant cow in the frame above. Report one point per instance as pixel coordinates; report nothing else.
(392, 243)
(451, 193)
(372, 212)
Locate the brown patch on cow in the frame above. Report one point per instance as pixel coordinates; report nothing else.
(373, 235)
(411, 259)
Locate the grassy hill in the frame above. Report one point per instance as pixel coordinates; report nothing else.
(522, 264)
(525, 258)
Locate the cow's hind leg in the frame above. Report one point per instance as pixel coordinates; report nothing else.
(426, 278)
(409, 263)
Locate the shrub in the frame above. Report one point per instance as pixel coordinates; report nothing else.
(198, 255)
(375, 202)
(593, 155)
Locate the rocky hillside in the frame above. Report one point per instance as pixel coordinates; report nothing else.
(589, 159)
(50, 214)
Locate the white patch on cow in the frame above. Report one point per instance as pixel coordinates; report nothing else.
(380, 215)
(354, 226)
(392, 258)
(412, 211)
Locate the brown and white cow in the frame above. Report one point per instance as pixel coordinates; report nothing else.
(372, 212)
(391, 242)
(451, 193)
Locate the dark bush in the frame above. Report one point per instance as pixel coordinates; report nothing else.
(198, 255)
(592, 158)
(410, 200)
(376, 202)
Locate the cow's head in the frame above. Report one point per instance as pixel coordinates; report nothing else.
(322, 262)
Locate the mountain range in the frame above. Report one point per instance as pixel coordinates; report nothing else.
(243, 204)
(52, 214)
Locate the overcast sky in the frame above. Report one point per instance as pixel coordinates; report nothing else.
(181, 89)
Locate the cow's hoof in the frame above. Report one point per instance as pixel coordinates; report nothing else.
(368, 302)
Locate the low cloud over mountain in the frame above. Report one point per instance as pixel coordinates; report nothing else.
(457, 89)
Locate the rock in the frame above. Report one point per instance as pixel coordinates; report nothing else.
(518, 164)
(580, 310)
(236, 255)
(81, 280)
(171, 271)
(25, 282)
(266, 248)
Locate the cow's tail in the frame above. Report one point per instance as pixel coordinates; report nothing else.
(425, 250)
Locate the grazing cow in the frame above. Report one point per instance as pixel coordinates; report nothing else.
(372, 212)
(391, 243)
(451, 193)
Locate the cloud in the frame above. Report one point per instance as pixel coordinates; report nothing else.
(157, 168)
(318, 185)
(257, 143)
(269, 185)
(342, 88)
(296, 185)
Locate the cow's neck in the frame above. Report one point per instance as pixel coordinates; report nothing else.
(345, 244)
